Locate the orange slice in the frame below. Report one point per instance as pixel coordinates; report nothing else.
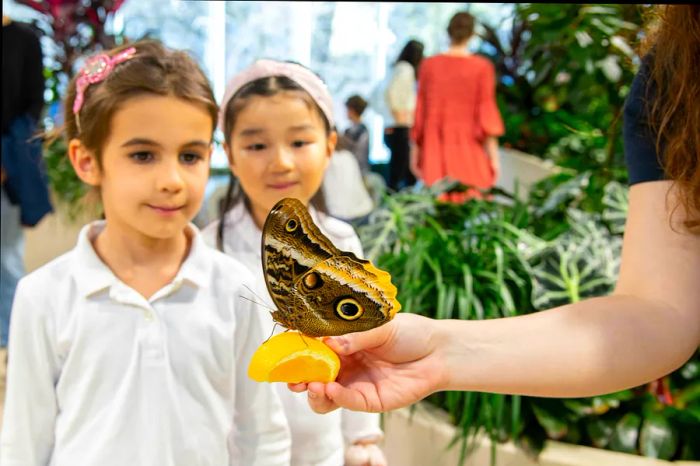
(293, 358)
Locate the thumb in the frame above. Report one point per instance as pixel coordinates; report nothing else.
(351, 343)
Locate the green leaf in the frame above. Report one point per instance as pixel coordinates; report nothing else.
(555, 426)
(600, 431)
(657, 439)
(626, 433)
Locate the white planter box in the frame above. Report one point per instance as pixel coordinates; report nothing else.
(520, 170)
(421, 439)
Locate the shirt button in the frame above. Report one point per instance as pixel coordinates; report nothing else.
(148, 315)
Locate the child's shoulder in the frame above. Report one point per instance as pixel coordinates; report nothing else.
(209, 232)
(227, 272)
(57, 270)
(44, 282)
(236, 218)
(336, 229)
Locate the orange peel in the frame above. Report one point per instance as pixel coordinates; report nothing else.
(293, 358)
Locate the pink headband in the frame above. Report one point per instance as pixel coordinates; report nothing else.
(96, 69)
(297, 73)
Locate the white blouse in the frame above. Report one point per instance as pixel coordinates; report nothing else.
(401, 91)
(100, 375)
(317, 439)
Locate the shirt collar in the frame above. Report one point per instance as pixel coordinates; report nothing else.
(197, 266)
(93, 275)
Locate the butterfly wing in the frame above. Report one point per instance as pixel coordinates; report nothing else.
(291, 245)
(317, 288)
(343, 294)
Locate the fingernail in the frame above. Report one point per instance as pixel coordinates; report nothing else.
(312, 395)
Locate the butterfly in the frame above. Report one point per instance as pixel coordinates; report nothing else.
(318, 289)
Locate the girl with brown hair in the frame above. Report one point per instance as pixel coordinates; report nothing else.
(132, 348)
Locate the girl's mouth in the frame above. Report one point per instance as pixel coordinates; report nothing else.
(282, 185)
(165, 210)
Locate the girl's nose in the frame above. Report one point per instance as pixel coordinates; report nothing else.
(282, 159)
(170, 177)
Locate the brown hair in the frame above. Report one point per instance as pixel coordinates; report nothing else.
(674, 47)
(357, 104)
(461, 27)
(154, 69)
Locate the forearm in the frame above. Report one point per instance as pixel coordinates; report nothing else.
(595, 346)
(491, 148)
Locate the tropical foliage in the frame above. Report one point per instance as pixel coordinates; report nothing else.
(564, 71)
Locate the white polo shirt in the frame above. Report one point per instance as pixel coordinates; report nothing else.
(317, 440)
(99, 375)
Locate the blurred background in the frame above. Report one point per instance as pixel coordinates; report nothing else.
(563, 72)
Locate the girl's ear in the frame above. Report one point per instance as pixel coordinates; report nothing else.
(84, 163)
(331, 143)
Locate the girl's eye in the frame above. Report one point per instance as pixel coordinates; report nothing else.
(142, 157)
(190, 157)
(300, 143)
(256, 147)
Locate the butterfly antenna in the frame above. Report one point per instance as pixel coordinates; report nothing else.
(253, 293)
(266, 306)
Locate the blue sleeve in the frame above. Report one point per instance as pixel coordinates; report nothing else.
(643, 162)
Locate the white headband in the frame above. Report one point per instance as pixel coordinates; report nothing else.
(308, 81)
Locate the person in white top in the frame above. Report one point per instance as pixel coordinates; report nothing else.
(400, 98)
(277, 122)
(132, 348)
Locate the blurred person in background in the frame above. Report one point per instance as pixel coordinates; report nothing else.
(356, 137)
(400, 97)
(457, 121)
(24, 194)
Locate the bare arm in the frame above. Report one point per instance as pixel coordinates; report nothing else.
(491, 148)
(647, 328)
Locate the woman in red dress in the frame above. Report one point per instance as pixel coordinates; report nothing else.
(457, 121)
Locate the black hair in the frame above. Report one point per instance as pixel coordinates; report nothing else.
(412, 53)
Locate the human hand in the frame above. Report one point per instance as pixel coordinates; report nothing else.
(413, 165)
(382, 369)
(496, 169)
(364, 454)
